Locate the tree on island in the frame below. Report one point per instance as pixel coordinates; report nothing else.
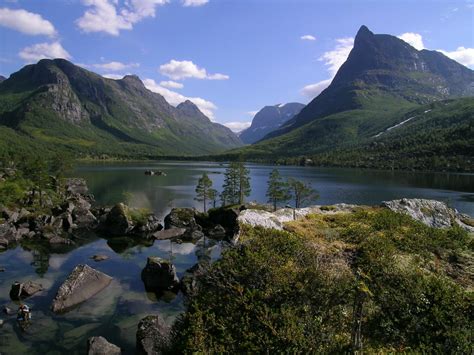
(302, 192)
(236, 184)
(204, 191)
(277, 190)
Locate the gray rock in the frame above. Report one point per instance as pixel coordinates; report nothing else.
(189, 282)
(159, 275)
(169, 233)
(76, 186)
(217, 233)
(20, 290)
(184, 218)
(100, 346)
(83, 283)
(99, 257)
(118, 222)
(153, 336)
(430, 212)
(55, 240)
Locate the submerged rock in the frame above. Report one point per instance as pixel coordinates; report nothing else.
(159, 275)
(83, 283)
(100, 346)
(99, 257)
(20, 290)
(153, 336)
(169, 233)
(433, 213)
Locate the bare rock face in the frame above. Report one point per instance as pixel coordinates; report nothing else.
(153, 336)
(433, 213)
(100, 346)
(159, 275)
(20, 290)
(83, 283)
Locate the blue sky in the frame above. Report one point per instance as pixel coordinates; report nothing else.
(231, 57)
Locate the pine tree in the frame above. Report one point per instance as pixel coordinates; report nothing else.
(277, 190)
(236, 184)
(204, 190)
(302, 192)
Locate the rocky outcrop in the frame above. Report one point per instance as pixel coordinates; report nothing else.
(189, 282)
(153, 336)
(433, 213)
(100, 346)
(22, 290)
(184, 218)
(83, 283)
(120, 221)
(159, 275)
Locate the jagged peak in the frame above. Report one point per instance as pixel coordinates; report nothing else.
(364, 32)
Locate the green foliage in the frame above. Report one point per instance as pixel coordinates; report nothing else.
(277, 190)
(296, 291)
(204, 191)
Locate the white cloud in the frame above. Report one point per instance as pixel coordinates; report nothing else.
(462, 55)
(116, 66)
(237, 126)
(44, 51)
(314, 90)
(105, 16)
(174, 98)
(413, 39)
(26, 22)
(178, 70)
(114, 76)
(194, 3)
(308, 38)
(252, 113)
(171, 84)
(333, 60)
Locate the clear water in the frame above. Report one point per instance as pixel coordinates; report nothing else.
(115, 312)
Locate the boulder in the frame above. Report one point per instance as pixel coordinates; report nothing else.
(260, 218)
(81, 214)
(118, 222)
(83, 283)
(189, 282)
(99, 257)
(100, 346)
(433, 213)
(159, 275)
(217, 233)
(20, 290)
(169, 233)
(153, 336)
(227, 218)
(184, 218)
(76, 186)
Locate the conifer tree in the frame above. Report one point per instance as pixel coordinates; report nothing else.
(204, 190)
(236, 184)
(302, 192)
(277, 190)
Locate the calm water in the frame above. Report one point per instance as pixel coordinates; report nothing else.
(115, 312)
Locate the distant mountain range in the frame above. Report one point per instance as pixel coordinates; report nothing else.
(58, 105)
(383, 82)
(269, 119)
(2, 78)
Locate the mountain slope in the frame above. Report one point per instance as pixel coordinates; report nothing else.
(383, 83)
(269, 119)
(383, 72)
(59, 103)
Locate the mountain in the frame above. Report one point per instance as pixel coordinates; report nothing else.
(382, 83)
(269, 119)
(63, 106)
(383, 72)
(2, 78)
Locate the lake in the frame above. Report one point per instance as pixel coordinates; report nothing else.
(115, 312)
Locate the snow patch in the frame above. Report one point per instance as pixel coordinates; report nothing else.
(397, 125)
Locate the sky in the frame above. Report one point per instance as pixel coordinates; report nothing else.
(230, 57)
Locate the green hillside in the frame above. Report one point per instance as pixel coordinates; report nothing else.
(59, 106)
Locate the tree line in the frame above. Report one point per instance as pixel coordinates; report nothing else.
(237, 187)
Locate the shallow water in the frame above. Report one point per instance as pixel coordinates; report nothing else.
(115, 312)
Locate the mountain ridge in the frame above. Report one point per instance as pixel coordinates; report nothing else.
(58, 101)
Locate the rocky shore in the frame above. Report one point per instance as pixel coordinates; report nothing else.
(77, 215)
